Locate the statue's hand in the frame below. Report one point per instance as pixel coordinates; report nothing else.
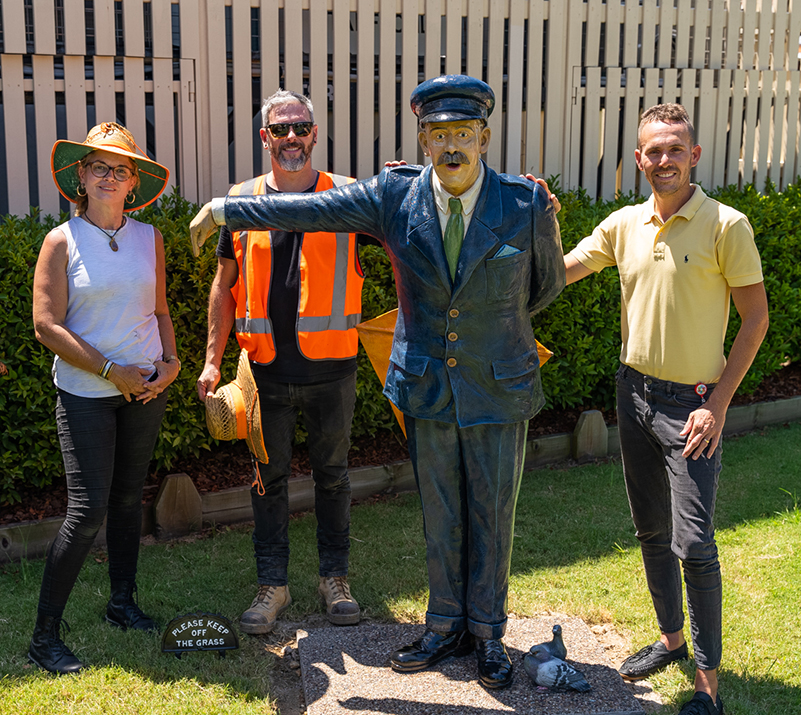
(201, 228)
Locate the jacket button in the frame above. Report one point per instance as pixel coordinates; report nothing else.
(453, 313)
(451, 362)
(453, 337)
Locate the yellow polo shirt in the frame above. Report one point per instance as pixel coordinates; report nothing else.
(675, 282)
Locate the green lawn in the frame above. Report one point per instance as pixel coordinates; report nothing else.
(575, 553)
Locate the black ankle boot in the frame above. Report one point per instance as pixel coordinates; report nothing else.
(47, 649)
(123, 611)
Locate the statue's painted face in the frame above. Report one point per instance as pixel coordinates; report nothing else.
(455, 149)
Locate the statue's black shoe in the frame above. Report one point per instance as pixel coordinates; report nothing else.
(430, 649)
(649, 660)
(494, 664)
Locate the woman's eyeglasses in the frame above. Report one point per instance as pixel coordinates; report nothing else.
(279, 131)
(100, 170)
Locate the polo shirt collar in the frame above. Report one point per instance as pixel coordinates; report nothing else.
(687, 211)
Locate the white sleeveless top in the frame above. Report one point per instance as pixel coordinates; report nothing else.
(111, 301)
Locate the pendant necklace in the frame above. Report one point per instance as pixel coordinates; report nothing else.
(111, 242)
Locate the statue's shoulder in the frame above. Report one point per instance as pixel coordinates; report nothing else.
(517, 181)
(407, 171)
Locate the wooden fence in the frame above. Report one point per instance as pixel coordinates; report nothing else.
(571, 77)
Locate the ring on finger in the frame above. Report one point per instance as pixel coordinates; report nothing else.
(707, 441)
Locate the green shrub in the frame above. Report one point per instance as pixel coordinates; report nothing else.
(582, 327)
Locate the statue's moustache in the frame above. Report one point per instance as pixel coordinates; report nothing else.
(456, 157)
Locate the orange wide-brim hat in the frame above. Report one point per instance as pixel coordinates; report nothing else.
(114, 138)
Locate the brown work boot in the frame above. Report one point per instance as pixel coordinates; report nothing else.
(340, 607)
(270, 602)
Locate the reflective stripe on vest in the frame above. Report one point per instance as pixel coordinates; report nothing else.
(334, 288)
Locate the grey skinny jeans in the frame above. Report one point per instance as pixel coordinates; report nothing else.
(672, 502)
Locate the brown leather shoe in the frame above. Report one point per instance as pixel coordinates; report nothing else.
(340, 607)
(270, 602)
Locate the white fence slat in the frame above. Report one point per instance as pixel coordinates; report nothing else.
(387, 86)
(700, 28)
(794, 32)
(704, 129)
(734, 19)
(734, 172)
(780, 21)
(293, 46)
(533, 162)
(189, 30)
(475, 37)
(665, 41)
(188, 148)
(763, 38)
(778, 139)
(44, 101)
(133, 28)
(611, 125)
(453, 36)
(630, 39)
(592, 131)
(105, 36)
(134, 84)
(717, 31)
(750, 126)
(365, 98)
(721, 97)
(105, 90)
(14, 119)
(433, 24)
(749, 36)
(44, 27)
(341, 113)
(318, 78)
(410, 18)
(14, 32)
(213, 135)
(162, 28)
(792, 166)
(651, 89)
(614, 15)
(164, 116)
(268, 48)
(631, 120)
(514, 105)
(74, 28)
(494, 156)
(670, 85)
(764, 127)
(594, 20)
(688, 91)
(557, 81)
(572, 174)
(243, 113)
(683, 25)
(75, 97)
(648, 42)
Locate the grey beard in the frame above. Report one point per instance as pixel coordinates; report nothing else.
(293, 164)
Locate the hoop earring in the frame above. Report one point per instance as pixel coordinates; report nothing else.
(130, 198)
(78, 190)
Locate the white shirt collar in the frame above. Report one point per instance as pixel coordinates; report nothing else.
(468, 198)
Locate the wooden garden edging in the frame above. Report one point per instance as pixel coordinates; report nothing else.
(179, 509)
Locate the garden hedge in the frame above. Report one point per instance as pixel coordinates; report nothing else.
(582, 327)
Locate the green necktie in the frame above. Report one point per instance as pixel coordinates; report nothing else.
(454, 235)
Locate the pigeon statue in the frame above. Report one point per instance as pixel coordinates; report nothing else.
(556, 646)
(549, 672)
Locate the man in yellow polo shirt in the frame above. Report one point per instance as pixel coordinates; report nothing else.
(680, 256)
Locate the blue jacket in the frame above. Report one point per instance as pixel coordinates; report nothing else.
(463, 352)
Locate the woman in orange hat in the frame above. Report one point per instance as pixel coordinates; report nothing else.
(100, 304)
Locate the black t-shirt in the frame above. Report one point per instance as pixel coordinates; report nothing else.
(289, 364)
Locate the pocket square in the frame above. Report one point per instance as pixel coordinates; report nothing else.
(506, 250)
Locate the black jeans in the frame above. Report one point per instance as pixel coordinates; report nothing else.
(672, 502)
(106, 444)
(327, 415)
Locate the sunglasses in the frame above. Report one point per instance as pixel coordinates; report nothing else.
(301, 129)
(100, 170)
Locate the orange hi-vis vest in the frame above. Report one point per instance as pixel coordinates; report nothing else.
(331, 278)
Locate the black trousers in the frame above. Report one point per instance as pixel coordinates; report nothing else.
(469, 479)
